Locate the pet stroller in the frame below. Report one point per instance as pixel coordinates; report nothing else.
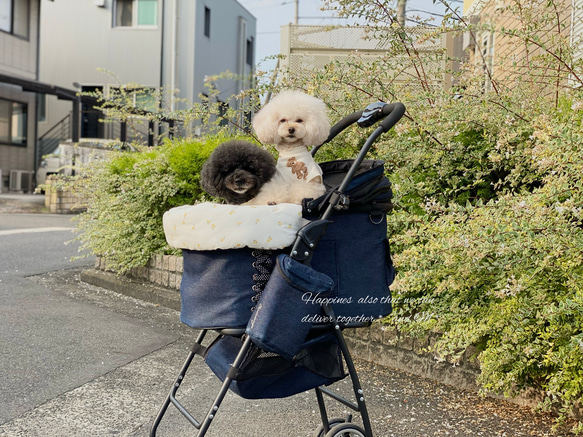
(279, 301)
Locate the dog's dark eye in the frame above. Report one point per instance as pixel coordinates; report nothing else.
(283, 120)
(299, 120)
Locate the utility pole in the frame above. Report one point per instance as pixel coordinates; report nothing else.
(297, 16)
(401, 7)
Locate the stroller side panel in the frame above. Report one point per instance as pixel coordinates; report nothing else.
(218, 287)
(354, 252)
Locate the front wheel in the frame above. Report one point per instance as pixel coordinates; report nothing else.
(346, 430)
(320, 432)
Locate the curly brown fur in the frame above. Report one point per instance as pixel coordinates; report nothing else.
(236, 170)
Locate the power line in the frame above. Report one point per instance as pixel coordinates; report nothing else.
(272, 6)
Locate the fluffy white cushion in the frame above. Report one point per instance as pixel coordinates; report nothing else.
(211, 226)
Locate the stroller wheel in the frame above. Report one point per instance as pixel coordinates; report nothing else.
(346, 430)
(333, 422)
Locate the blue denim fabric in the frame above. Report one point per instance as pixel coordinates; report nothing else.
(281, 322)
(280, 379)
(355, 254)
(217, 288)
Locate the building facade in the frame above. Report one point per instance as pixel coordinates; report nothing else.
(170, 45)
(310, 48)
(509, 38)
(50, 50)
(19, 40)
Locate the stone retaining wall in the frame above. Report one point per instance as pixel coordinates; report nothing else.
(60, 200)
(164, 270)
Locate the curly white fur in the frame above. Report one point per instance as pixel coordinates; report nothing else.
(292, 121)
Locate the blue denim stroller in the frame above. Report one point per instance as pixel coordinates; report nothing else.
(278, 315)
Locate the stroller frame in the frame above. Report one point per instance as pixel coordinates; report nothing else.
(302, 250)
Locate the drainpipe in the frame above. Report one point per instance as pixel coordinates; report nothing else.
(174, 53)
(161, 81)
(37, 157)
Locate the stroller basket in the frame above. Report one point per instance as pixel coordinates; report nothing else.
(334, 275)
(220, 288)
(266, 375)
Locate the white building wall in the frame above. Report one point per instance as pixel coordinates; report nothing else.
(222, 51)
(80, 45)
(78, 39)
(190, 56)
(577, 28)
(18, 58)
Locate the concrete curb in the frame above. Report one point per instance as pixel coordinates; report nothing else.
(134, 288)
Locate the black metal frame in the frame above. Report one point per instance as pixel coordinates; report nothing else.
(199, 349)
(306, 242)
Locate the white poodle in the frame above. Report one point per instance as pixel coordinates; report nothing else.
(292, 121)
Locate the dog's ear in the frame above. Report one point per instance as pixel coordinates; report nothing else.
(210, 178)
(317, 125)
(268, 170)
(265, 125)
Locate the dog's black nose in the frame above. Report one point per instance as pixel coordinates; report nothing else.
(291, 130)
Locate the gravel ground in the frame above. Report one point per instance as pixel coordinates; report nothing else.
(406, 405)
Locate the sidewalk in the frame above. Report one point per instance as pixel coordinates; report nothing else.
(124, 401)
(22, 203)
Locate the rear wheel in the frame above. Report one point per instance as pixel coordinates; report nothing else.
(346, 430)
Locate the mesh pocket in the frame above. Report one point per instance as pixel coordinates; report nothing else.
(261, 363)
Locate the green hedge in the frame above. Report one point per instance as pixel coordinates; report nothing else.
(128, 194)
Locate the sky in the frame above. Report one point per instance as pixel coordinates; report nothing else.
(272, 14)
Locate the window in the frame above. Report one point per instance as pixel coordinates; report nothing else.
(485, 56)
(144, 99)
(13, 122)
(14, 17)
(250, 53)
(207, 22)
(135, 13)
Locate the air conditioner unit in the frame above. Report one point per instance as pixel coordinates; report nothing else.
(21, 181)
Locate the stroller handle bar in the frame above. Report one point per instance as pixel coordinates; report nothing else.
(373, 112)
(391, 112)
(308, 236)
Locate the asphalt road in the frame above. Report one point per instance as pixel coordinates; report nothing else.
(78, 360)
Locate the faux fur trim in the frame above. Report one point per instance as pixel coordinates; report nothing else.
(212, 226)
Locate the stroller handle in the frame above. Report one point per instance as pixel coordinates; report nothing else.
(308, 236)
(391, 112)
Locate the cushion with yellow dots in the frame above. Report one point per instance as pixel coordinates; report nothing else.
(211, 226)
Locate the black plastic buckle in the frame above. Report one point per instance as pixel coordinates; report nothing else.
(339, 201)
